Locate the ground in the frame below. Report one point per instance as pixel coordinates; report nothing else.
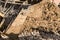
(41, 23)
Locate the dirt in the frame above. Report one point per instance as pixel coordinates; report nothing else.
(44, 16)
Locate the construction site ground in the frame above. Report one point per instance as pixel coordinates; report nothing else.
(40, 21)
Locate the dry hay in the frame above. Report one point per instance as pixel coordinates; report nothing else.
(44, 16)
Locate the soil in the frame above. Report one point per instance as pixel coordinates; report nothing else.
(42, 23)
(44, 16)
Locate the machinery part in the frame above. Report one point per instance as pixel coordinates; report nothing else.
(19, 2)
(10, 12)
(1, 14)
(5, 15)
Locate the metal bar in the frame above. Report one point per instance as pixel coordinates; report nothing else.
(20, 3)
(2, 23)
(5, 4)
